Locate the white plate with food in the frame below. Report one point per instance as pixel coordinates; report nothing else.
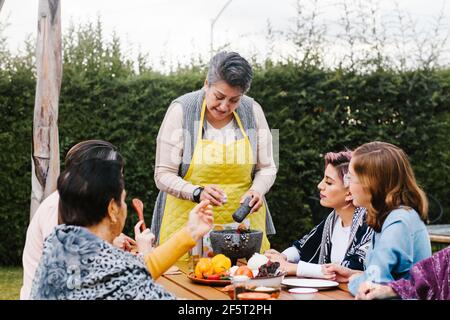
(309, 283)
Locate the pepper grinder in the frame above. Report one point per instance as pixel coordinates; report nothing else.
(242, 212)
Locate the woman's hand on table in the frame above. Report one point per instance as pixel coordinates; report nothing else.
(200, 220)
(144, 240)
(214, 194)
(369, 291)
(256, 201)
(330, 276)
(337, 272)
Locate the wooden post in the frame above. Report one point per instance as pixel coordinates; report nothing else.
(45, 144)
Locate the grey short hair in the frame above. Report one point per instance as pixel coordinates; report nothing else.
(231, 68)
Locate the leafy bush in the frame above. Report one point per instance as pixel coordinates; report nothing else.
(316, 110)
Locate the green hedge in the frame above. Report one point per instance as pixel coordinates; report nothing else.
(315, 110)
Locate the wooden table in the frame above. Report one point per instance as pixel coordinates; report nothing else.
(439, 233)
(182, 287)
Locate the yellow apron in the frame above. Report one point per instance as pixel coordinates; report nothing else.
(229, 166)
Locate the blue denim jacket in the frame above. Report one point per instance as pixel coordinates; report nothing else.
(402, 242)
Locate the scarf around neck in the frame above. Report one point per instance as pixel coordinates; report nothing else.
(315, 247)
(76, 264)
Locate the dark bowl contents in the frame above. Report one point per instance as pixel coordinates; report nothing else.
(243, 229)
(270, 269)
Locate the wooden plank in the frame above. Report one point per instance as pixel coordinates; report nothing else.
(184, 267)
(285, 295)
(177, 290)
(320, 296)
(439, 229)
(439, 233)
(439, 239)
(344, 287)
(205, 292)
(45, 140)
(337, 294)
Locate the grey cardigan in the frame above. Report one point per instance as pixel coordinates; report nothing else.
(191, 104)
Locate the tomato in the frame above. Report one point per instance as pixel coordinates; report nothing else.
(213, 277)
(244, 271)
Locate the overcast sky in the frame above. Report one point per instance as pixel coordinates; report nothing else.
(180, 29)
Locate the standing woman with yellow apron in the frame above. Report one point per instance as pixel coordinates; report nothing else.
(215, 144)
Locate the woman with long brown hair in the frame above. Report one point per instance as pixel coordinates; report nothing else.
(381, 179)
(343, 237)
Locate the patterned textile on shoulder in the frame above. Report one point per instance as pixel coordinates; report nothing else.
(76, 264)
(429, 279)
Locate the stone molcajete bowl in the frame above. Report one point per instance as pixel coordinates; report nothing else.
(236, 244)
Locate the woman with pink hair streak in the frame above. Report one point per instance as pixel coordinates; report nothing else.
(342, 238)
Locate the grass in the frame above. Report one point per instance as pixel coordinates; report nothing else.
(10, 282)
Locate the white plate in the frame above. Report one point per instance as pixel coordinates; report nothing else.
(309, 283)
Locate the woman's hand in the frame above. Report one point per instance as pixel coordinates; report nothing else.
(256, 201)
(290, 268)
(144, 239)
(330, 275)
(337, 272)
(214, 194)
(200, 220)
(124, 242)
(369, 291)
(274, 254)
(328, 272)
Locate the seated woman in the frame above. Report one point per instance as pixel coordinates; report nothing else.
(79, 261)
(45, 218)
(343, 237)
(429, 280)
(381, 179)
